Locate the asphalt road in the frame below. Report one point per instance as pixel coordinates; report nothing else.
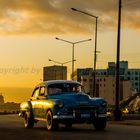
(11, 128)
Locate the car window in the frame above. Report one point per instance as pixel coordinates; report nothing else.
(64, 88)
(54, 90)
(42, 91)
(36, 93)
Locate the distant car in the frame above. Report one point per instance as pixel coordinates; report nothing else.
(62, 101)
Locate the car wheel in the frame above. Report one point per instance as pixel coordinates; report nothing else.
(28, 121)
(51, 124)
(99, 123)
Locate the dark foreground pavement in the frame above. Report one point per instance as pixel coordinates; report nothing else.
(11, 128)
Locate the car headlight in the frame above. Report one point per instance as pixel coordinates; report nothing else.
(60, 104)
(104, 104)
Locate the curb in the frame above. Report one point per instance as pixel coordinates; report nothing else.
(125, 122)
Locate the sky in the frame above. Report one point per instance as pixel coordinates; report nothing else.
(28, 29)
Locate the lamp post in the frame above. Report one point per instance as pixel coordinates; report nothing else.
(117, 111)
(60, 64)
(73, 44)
(95, 49)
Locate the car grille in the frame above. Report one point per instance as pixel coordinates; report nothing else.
(81, 109)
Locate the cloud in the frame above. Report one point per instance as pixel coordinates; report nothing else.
(55, 16)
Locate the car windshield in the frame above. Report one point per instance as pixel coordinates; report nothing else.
(64, 88)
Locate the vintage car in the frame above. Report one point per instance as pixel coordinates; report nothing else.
(63, 102)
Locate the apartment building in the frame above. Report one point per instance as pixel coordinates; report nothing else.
(105, 88)
(54, 73)
(126, 73)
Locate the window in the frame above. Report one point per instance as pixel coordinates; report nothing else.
(128, 78)
(42, 91)
(128, 72)
(136, 84)
(136, 73)
(64, 88)
(36, 92)
(104, 73)
(136, 78)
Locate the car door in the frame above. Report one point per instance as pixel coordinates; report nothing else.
(42, 103)
(34, 101)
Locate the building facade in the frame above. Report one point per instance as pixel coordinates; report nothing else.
(54, 73)
(105, 87)
(82, 72)
(126, 74)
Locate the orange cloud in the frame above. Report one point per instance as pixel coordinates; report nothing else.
(55, 16)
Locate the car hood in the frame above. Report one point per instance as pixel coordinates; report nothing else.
(70, 96)
(75, 98)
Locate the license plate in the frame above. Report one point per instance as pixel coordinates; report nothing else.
(85, 115)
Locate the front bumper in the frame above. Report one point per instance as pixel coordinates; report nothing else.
(80, 116)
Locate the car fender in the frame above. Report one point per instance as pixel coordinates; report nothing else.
(26, 107)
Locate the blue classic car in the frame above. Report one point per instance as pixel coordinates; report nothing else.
(65, 102)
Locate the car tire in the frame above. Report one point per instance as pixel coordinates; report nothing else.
(28, 120)
(99, 124)
(51, 124)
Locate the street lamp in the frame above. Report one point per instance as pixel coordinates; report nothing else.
(73, 43)
(61, 64)
(95, 50)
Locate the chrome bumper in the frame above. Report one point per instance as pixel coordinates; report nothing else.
(74, 117)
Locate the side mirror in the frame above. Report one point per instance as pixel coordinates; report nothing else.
(30, 99)
(37, 98)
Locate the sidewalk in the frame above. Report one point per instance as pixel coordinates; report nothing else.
(127, 119)
(125, 122)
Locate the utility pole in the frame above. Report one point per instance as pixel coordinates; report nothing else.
(117, 111)
(95, 49)
(95, 59)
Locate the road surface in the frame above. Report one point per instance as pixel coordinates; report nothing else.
(11, 128)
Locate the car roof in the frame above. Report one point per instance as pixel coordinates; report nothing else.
(46, 83)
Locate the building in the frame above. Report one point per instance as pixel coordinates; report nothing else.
(134, 76)
(126, 74)
(54, 73)
(105, 87)
(82, 72)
